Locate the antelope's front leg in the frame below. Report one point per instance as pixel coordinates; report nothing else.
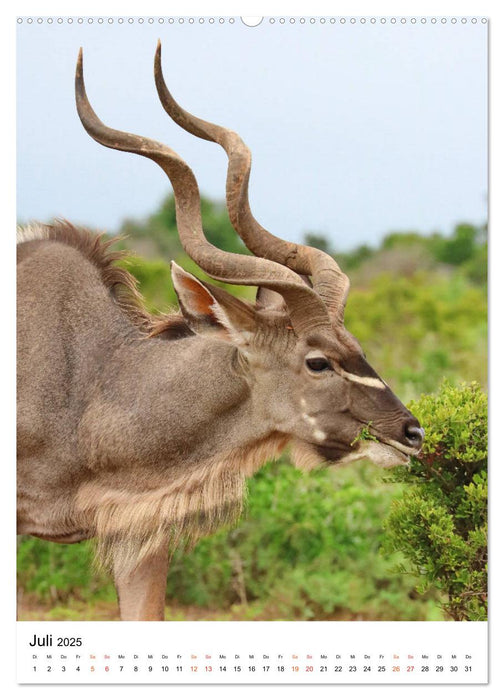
(141, 591)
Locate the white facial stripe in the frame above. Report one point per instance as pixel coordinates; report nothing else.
(367, 381)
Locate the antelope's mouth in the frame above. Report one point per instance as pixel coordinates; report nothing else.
(390, 455)
(399, 447)
(382, 451)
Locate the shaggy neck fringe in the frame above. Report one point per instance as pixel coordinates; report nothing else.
(130, 525)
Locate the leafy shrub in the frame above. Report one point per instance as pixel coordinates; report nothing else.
(307, 547)
(440, 523)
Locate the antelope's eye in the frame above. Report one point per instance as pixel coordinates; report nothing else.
(318, 364)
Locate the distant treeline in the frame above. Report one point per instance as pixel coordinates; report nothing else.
(465, 247)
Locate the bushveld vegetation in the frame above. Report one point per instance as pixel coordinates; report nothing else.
(440, 523)
(355, 542)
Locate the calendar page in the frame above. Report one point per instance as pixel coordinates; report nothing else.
(252, 331)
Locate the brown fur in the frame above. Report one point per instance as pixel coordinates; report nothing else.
(97, 248)
(131, 525)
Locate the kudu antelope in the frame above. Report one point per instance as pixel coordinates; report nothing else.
(140, 430)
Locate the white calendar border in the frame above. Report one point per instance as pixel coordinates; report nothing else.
(254, 8)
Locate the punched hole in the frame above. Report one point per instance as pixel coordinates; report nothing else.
(251, 21)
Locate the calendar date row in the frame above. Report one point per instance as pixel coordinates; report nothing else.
(283, 668)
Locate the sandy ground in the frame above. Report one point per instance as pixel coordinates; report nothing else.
(31, 609)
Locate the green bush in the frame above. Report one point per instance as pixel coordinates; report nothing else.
(440, 523)
(308, 547)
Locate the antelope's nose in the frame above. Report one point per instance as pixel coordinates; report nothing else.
(413, 434)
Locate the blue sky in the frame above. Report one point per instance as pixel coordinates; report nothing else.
(356, 130)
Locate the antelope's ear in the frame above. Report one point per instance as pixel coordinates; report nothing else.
(207, 308)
